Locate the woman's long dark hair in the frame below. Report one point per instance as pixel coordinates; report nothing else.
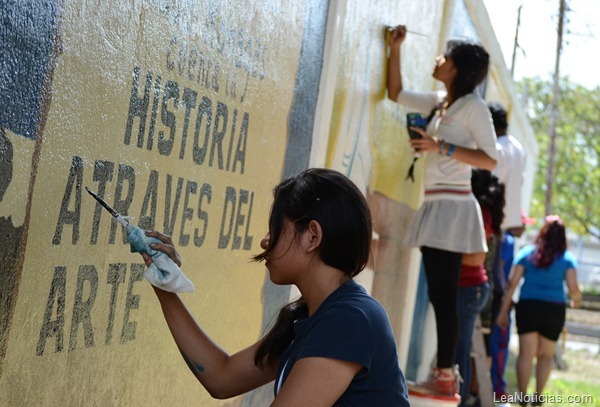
(341, 209)
(471, 61)
(490, 195)
(550, 243)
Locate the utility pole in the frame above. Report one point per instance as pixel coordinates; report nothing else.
(554, 112)
(516, 44)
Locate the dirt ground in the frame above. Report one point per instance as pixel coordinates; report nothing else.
(584, 316)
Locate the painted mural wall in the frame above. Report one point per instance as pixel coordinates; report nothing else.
(179, 114)
(184, 114)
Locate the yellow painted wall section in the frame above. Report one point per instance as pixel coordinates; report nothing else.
(368, 139)
(177, 114)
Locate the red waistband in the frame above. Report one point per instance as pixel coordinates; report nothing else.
(472, 275)
(447, 191)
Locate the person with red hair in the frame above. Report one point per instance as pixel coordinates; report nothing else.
(540, 312)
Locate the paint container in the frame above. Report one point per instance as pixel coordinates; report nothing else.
(423, 398)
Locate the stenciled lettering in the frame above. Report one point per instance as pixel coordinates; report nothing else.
(103, 173)
(66, 216)
(122, 202)
(185, 210)
(138, 107)
(148, 212)
(235, 217)
(85, 314)
(132, 301)
(115, 277)
(216, 131)
(54, 328)
(165, 145)
(83, 306)
(171, 214)
(205, 192)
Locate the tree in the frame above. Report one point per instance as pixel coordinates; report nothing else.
(576, 188)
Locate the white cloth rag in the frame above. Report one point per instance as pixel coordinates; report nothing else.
(163, 272)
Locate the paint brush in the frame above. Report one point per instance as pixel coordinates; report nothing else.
(390, 29)
(163, 272)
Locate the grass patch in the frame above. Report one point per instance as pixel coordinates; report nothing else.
(578, 385)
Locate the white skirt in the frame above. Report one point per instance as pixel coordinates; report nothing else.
(449, 221)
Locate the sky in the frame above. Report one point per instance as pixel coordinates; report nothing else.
(538, 38)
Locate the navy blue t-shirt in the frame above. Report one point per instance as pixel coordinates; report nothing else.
(351, 325)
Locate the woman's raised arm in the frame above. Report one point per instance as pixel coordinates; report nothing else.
(396, 38)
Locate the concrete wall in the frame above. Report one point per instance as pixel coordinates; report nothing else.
(184, 114)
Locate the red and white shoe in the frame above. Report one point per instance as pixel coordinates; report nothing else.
(441, 382)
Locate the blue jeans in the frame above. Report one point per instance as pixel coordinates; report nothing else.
(415, 349)
(470, 302)
(499, 349)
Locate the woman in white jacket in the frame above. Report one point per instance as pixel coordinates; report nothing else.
(459, 135)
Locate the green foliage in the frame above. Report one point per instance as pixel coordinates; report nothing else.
(591, 290)
(576, 189)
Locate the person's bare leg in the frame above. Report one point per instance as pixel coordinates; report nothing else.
(545, 359)
(528, 344)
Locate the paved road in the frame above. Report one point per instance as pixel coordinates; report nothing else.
(576, 328)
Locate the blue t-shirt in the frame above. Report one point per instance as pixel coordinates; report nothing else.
(546, 284)
(351, 325)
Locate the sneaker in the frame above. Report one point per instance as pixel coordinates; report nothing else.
(442, 382)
